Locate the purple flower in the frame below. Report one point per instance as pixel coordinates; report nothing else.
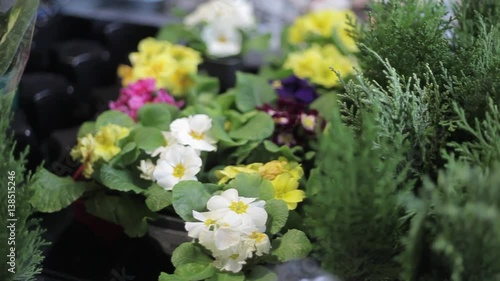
(294, 88)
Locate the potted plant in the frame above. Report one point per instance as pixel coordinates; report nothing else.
(223, 31)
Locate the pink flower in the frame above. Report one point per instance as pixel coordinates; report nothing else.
(136, 95)
(163, 97)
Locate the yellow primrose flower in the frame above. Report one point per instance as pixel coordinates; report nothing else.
(326, 24)
(286, 189)
(179, 81)
(106, 140)
(315, 64)
(170, 65)
(230, 172)
(126, 73)
(274, 168)
(84, 150)
(90, 148)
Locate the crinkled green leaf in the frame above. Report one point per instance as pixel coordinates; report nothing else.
(277, 215)
(128, 155)
(252, 91)
(117, 179)
(195, 271)
(189, 253)
(253, 185)
(86, 128)
(147, 138)
(227, 276)
(189, 196)
(123, 210)
(293, 245)
(284, 150)
(114, 117)
(158, 198)
(52, 193)
(221, 135)
(243, 151)
(169, 277)
(157, 115)
(259, 127)
(261, 273)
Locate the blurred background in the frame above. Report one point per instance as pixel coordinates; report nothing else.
(71, 76)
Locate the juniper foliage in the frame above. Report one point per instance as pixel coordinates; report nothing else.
(28, 239)
(457, 224)
(354, 213)
(408, 106)
(407, 33)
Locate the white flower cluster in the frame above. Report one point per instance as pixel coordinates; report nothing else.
(233, 229)
(179, 159)
(223, 21)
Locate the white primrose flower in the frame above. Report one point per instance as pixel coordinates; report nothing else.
(222, 40)
(257, 242)
(235, 13)
(177, 163)
(231, 259)
(194, 131)
(248, 212)
(147, 168)
(169, 139)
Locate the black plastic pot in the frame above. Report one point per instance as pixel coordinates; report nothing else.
(223, 69)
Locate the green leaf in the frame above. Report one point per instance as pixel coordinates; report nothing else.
(286, 151)
(252, 91)
(325, 105)
(156, 115)
(260, 273)
(226, 276)
(114, 117)
(189, 253)
(243, 151)
(189, 196)
(86, 128)
(277, 215)
(169, 277)
(52, 193)
(293, 245)
(253, 185)
(123, 210)
(157, 198)
(116, 179)
(147, 138)
(256, 43)
(128, 154)
(221, 135)
(206, 84)
(195, 271)
(226, 100)
(259, 127)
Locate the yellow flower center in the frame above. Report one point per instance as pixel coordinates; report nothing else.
(257, 236)
(234, 256)
(277, 84)
(227, 125)
(222, 39)
(179, 171)
(238, 207)
(196, 135)
(210, 222)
